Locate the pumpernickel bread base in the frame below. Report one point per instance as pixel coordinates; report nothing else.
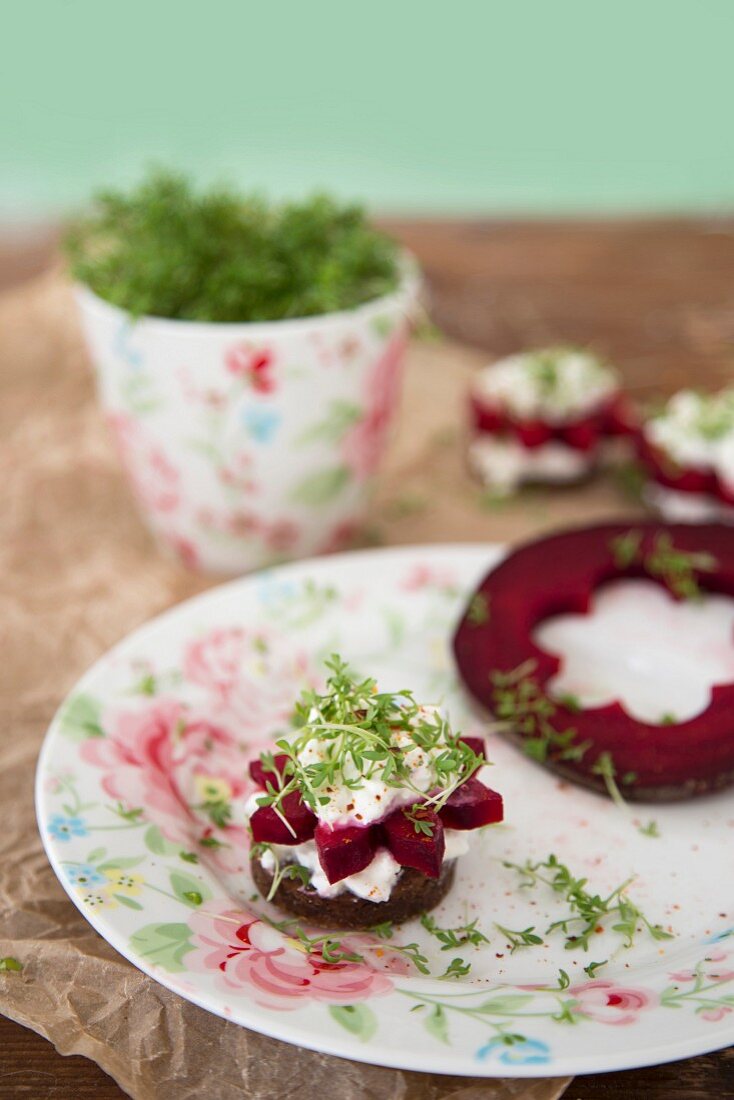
(412, 894)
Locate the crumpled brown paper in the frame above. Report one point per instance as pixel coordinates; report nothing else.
(77, 572)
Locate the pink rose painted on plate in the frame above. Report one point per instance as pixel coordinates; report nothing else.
(249, 676)
(607, 1003)
(157, 755)
(247, 954)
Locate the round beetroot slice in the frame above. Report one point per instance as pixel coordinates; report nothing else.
(559, 575)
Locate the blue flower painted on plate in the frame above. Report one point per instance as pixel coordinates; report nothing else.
(720, 936)
(261, 424)
(272, 591)
(520, 1052)
(84, 874)
(64, 828)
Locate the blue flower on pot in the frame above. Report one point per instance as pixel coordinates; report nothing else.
(515, 1051)
(64, 828)
(261, 424)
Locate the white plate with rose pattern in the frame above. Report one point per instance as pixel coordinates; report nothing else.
(140, 790)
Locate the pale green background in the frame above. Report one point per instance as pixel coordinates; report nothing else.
(539, 106)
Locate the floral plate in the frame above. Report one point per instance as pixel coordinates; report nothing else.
(140, 790)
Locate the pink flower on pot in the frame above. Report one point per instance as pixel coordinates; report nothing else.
(281, 535)
(247, 954)
(254, 366)
(238, 472)
(155, 480)
(363, 443)
(184, 549)
(151, 755)
(340, 537)
(608, 1003)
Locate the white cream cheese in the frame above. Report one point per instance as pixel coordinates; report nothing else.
(557, 385)
(503, 463)
(697, 431)
(374, 883)
(373, 799)
(679, 507)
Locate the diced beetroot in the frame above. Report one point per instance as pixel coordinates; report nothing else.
(471, 806)
(261, 776)
(477, 745)
(582, 436)
(344, 851)
(533, 433)
(267, 826)
(486, 418)
(415, 848)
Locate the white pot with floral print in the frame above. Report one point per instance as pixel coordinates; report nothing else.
(248, 444)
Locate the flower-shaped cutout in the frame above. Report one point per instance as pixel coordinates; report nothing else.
(658, 657)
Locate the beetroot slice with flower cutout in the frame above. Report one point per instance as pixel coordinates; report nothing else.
(508, 673)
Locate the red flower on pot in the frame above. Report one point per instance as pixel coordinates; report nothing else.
(252, 365)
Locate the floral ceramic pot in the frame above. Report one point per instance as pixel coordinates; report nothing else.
(247, 444)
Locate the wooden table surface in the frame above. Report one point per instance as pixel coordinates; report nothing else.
(658, 298)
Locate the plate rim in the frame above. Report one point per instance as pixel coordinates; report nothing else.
(345, 1046)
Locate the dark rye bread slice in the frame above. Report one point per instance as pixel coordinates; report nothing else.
(412, 894)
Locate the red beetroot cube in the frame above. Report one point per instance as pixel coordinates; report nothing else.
(267, 826)
(477, 745)
(261, 776)
(471, 806)
(533, 433)
(411, 846)
(583, 435)
(344, 851)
